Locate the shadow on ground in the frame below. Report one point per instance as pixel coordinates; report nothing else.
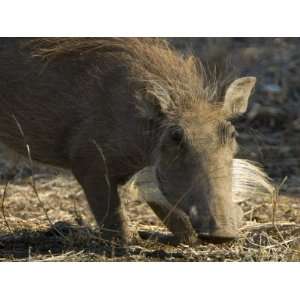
(63, 238)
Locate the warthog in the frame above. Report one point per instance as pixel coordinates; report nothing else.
(107, 107)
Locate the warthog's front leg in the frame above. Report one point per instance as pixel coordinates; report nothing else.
(106, 206)
(103, 198)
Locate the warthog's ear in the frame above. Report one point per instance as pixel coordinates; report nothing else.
(237, 96)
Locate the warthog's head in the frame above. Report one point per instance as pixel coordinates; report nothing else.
(194, 163)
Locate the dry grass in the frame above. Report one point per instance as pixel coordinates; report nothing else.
(30, 236)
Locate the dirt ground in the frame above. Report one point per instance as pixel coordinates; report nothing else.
(50, 220)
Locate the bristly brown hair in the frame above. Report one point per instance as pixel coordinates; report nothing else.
(159, 71)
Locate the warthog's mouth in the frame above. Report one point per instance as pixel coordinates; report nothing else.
(248, 181)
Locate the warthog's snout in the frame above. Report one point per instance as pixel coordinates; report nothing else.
(215, 228)
(219, 235)
(217, 220)
(215, 234)
(217, 239)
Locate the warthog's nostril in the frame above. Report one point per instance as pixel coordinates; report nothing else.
(219, 236)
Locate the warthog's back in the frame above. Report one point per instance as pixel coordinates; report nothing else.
(54, 103)
(35, 99)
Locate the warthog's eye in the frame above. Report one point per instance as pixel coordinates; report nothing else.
(233, 133)
(176, 135)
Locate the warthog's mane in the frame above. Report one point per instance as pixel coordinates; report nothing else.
(250, 181)
(154, 67)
